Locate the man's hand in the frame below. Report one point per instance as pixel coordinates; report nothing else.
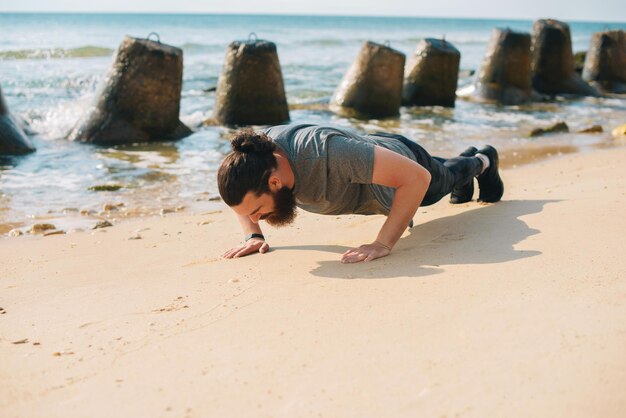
(249, 247)
(366, 252)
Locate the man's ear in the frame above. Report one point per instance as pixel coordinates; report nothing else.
(274, 183)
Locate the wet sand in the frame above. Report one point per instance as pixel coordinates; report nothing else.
(511, 309)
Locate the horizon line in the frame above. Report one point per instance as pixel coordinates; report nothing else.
(118, 12)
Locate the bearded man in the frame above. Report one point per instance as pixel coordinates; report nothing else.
(334, 171)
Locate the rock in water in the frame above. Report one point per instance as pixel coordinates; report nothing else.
(431, 77)
(13, 140)
(605, 65)
(250, 90)
(553, 65)
(557, 127)
(505, 75)
(595, 129)
(140, 100)
(102, 224)
(373, 85)
(41, 228)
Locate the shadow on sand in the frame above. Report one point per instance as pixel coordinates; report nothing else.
(485, 235)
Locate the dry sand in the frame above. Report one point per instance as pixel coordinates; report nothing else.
(511, 309)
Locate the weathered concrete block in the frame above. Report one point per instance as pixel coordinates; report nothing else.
(140, 100)
(553, 65)
(431, 77)
(13, 140)
(605, 65)
(250, 90)
(372, 87)
(505, 76)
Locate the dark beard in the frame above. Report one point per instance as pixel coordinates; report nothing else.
(284, 208)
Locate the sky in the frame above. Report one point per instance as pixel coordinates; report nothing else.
(600, 10)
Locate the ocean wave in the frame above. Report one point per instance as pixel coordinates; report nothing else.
(196, 47)
(461, 40)
(57, 53)
(324, 42)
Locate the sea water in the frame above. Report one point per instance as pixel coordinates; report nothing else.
(51, 66)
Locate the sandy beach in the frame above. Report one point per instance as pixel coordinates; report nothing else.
(511, 309)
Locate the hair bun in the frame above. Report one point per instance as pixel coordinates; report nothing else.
(248, 141)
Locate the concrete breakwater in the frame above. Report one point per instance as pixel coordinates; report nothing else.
(140, 99)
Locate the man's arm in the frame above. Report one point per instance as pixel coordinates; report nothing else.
(411, 182)
(252, 245)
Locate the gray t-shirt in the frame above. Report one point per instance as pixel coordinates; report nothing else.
(333, 168)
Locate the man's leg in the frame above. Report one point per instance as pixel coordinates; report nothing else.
(489, 181)
(456, 173)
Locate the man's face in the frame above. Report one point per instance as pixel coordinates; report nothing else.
(276, 208)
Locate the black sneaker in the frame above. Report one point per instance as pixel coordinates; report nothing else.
(464, 193)
(490, 183)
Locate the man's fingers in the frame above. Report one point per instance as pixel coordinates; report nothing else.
(229, 253)
(239, 253)
(347, 254)
(250, 248)
(355, 258)
(351, 251)
(358, 257)
(361, 256)
(244, 251)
